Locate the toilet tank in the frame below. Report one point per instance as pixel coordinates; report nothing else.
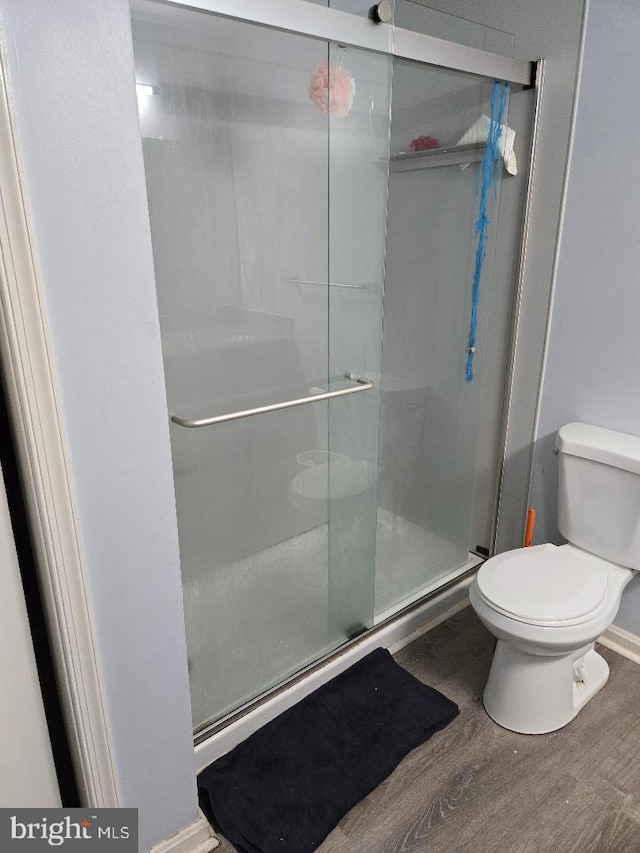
(599, 492)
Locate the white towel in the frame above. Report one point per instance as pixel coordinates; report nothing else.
(479, 132)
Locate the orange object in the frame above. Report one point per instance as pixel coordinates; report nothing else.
(531, 523)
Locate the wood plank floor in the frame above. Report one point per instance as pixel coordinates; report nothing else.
(477, 788)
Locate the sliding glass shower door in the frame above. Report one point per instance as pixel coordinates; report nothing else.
(429, 410)
(323, 478)
(263, 194)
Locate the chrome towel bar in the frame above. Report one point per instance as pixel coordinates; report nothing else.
(361, 385)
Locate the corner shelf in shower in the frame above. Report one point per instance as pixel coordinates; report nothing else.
(454, 155)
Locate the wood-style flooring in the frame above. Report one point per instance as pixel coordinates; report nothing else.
(478, 788)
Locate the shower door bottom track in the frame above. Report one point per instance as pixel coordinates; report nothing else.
(420, 615)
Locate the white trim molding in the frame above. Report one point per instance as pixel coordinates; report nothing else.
(460, 604)
(623, 642)
(197, 837)
(31, 384)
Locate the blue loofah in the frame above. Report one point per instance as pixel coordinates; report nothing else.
(487, 175)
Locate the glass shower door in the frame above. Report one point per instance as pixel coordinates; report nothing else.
(429, 410)
(359, 146)
(323, 472)
(237, 145)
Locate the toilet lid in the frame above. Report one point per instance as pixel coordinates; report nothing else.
(544, 584)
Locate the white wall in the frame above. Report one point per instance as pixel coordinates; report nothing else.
(592, 366)
(71, 72)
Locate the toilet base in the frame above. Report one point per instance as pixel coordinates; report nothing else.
(536, 694)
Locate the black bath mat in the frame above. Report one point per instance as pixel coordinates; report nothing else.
(287, 786)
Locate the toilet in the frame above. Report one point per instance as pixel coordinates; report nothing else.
(546, 605)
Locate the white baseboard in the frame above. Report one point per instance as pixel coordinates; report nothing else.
(623, 642)
(196, 837)
(433, 623)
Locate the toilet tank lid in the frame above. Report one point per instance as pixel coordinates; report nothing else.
(617, 449)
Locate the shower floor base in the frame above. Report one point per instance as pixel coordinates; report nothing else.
(411, 562)
(256, 622)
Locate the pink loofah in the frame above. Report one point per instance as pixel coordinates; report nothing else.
(332, 89)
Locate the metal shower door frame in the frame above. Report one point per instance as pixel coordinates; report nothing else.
(332, 25)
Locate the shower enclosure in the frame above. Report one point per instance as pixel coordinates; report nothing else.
(314, 278)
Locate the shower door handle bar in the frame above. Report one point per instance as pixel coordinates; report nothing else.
(361, 385)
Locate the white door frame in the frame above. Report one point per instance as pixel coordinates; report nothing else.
(33, 404)
(27, 774)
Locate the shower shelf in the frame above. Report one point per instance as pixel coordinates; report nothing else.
(454, 155)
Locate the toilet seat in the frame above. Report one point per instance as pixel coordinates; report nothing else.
(545, 585)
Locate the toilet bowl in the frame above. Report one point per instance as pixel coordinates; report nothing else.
(547, 605)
